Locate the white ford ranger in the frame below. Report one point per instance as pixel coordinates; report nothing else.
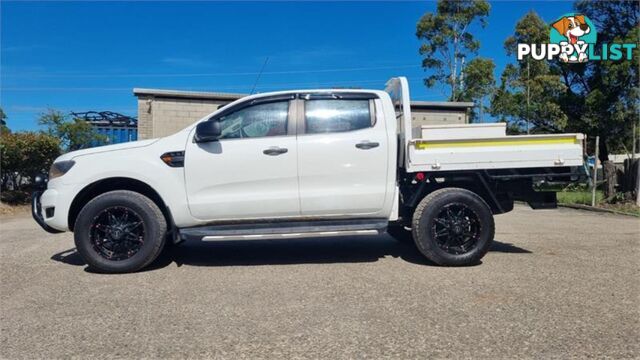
(304, 163)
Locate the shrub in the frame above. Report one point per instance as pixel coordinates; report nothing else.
(24, 155)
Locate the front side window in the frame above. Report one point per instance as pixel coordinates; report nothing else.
(269, 119)
(335, 115)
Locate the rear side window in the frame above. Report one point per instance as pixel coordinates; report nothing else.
(327, 116)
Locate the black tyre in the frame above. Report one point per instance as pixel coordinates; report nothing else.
(400, 234)
(453, 227)
(120, 231)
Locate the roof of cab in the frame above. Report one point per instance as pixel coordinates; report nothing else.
(141, 92)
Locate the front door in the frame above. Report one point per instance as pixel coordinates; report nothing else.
(342, 156)
(251, 171)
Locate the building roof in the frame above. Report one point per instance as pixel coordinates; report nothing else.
(234, 96)
(187, 94)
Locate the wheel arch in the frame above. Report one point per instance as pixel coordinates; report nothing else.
(479, 185)
(117, 183)
(475, 182)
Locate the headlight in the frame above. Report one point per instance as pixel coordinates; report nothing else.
(60, 168)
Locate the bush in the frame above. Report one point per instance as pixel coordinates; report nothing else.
(24, 155)
(16, 197)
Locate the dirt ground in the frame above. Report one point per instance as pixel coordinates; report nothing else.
(556, 284)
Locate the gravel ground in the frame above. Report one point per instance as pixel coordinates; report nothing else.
(557, 283)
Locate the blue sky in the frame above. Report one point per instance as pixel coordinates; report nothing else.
(76, 56)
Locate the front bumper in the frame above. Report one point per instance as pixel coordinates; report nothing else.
(36, 212)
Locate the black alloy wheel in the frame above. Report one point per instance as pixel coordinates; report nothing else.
(117, 233)
(453, 227)
(120, 231)
(456, 228)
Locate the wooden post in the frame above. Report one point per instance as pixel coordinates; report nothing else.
(595, 172)
(633, 142)
(610, 176)
(528, 96)
(637, 182)
(636, 137)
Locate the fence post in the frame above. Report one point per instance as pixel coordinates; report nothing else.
(636, 138)
(595, 172)
(637, 163)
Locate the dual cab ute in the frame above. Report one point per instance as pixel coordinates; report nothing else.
(304, 163)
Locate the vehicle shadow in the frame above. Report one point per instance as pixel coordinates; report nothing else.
(285, 252)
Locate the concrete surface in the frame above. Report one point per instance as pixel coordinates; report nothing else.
(557, 283)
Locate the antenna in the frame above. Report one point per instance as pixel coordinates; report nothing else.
(260, 73)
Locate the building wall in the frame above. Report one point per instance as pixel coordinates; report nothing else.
(160, 116)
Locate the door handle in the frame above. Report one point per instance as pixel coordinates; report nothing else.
(274, 151)
(366, 145)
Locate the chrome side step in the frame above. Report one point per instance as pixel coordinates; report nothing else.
(285, 229)
(290, 235)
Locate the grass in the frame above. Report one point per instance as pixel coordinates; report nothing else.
(579, 197)
(627, 208)
(583, 197)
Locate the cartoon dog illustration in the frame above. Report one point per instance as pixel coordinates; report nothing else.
(572, 27)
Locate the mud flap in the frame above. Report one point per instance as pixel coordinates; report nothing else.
(542, 200)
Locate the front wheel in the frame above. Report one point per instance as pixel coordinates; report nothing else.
(120, 231)
(453, 227)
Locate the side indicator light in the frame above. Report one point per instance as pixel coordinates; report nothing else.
(173, 159)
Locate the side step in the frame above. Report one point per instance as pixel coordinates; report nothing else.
(284, 230)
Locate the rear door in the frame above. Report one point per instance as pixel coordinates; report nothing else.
(342, 155)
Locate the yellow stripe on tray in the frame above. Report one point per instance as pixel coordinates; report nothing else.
(434, 144)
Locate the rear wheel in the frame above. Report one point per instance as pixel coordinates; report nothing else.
(453, 227)
(120, 231)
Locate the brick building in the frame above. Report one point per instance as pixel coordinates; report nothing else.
(164, 112)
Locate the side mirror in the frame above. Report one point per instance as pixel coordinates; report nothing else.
(207, 131)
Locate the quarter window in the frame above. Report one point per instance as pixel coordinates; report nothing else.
(269, 119)
(327, 116)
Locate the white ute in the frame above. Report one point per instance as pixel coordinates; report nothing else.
(304, 163)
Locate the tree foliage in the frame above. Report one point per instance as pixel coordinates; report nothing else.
(26, 154)
(602, 96)
(73, 133)
(613, 19)
(447, 41)
(530, 91)
(479, 83)
(3, 122)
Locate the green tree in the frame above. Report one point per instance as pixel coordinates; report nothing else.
(613, 19)
(478, 83)
(447, 41)
(73, 133)
(530, 91)
(602, 96)
(26, 154)
(3, 122)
